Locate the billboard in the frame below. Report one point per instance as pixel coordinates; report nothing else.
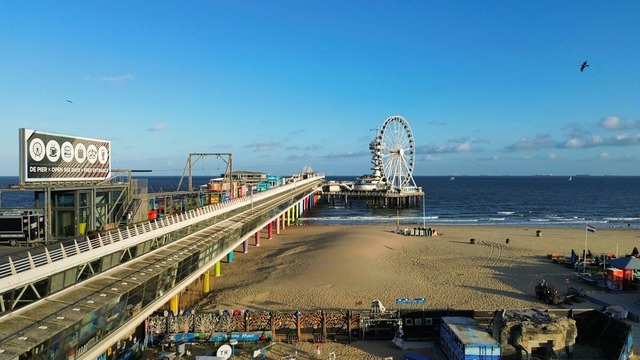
(54, 157)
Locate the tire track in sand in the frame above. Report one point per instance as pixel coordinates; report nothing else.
(495, 248)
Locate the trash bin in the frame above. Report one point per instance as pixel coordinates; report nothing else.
(472, 241)
(538, 233)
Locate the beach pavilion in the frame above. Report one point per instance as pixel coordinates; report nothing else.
(620, 276)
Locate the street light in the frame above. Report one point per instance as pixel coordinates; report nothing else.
(424, 225)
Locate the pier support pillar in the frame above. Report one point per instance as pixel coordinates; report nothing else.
(257, 237)
(174, 304)
(230, 257)
(245, 246)
(217, 266)
(270, 230)
(278, 222)
(206, 286)
(283, 220)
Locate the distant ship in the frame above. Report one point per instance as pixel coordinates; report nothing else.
(452, 178)
(570, 178)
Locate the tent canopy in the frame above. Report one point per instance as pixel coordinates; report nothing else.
(629, 262)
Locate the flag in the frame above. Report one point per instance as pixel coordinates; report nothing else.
(591, 228)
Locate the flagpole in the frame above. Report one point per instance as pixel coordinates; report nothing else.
(584, 264)
(424, 219)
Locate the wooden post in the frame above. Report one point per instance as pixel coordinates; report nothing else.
(324, 326)
(298, 331)
(273, 326)
(349, 325)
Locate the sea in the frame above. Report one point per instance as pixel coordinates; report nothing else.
(561, 201)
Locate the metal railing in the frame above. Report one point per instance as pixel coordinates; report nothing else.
(53, 254)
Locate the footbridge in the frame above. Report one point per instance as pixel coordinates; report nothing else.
(82, 298)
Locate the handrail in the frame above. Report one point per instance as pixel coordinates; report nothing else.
(80, 246)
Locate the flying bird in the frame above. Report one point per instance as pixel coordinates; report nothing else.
(70, 102)
(583, 66)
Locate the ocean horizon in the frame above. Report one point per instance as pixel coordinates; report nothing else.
(603, 201)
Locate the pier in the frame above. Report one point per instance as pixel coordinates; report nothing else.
(391, 183)
(89, 297)
(376, 199)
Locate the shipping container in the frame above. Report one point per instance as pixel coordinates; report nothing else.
(214, 186)
(274, 181)
(22, 228)
(461, 338)
(262, 186)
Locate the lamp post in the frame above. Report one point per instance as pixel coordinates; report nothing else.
(424, 225)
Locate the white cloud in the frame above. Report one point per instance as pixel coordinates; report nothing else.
(597, 141)
(574, 144)
(157, 127)
(268, 146)
(297, 157)
(348, 154)
(118, 79)
(614, 123)
(466, 147)
(540, 141)
(460, 145)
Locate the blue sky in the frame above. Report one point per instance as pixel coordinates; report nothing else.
(488, 87)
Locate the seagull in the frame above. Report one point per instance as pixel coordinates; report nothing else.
(70, 102)
(583, 66)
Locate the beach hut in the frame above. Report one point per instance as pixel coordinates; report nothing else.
(615, 279)
(626, 265)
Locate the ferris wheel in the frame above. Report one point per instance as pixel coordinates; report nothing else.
(394, 153)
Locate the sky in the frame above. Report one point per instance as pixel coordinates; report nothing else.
(487, 87)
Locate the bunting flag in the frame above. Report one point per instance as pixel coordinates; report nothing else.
(591, 228)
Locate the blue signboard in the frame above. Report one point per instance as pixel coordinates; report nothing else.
(239, 336)
(405, 301)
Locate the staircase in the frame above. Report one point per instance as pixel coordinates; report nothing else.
(129, 213)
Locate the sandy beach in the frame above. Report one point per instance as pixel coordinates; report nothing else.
(346, 267)
(309, 267)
